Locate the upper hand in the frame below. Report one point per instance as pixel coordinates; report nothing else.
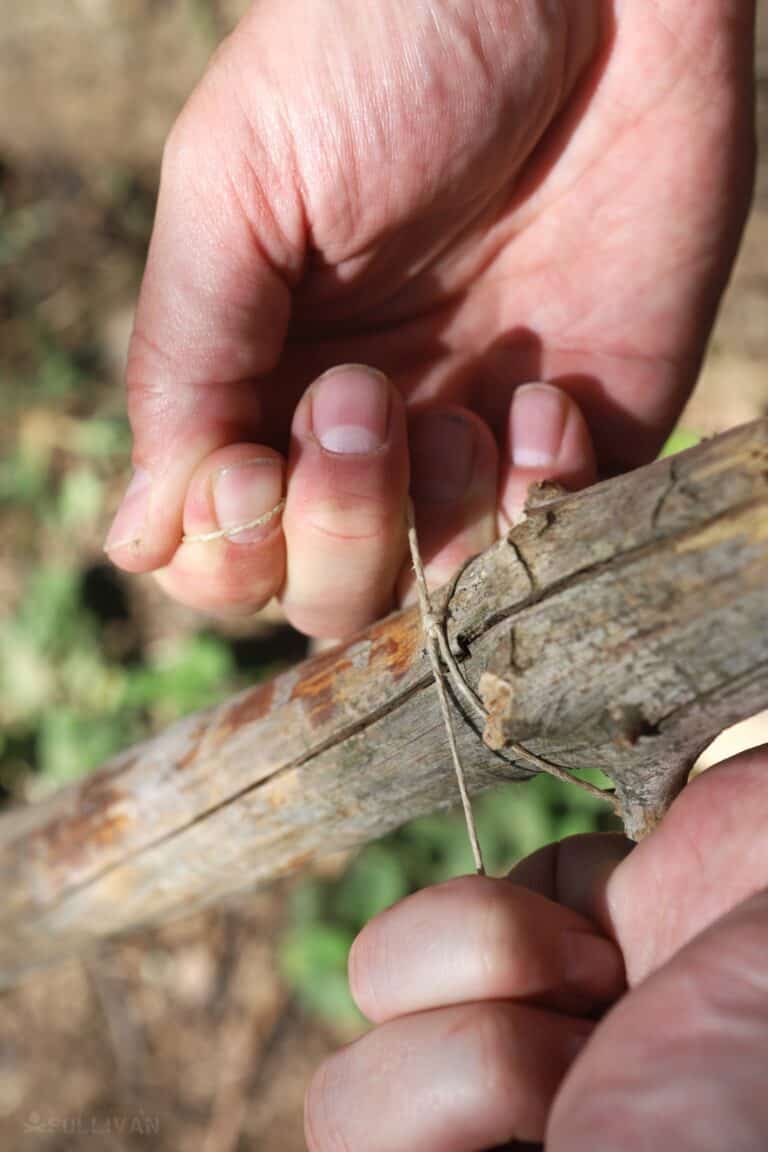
(466, 194)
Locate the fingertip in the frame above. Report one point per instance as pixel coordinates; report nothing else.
(231, 559)
(147, 527)
(575, 872)
(454, 466)
(123, 544)
(548, 439)
(236, 494)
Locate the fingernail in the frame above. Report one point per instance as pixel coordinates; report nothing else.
(539, 413)
(247, 499)
(593, 965)
(350, 410)
(128, 524)
(442, 448)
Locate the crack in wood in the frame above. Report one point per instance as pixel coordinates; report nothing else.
(612, 564)
(661, 503)
(342, 736)
(351, 746)
(523, 562)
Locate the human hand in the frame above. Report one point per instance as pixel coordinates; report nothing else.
(468, 194)
(486, 991)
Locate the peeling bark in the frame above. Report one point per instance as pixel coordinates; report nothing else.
(621, 628)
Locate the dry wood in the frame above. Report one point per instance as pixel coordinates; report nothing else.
(622, 627)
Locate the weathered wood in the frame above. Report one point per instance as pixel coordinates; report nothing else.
(621, 627)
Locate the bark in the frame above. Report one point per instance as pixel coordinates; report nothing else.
(622, 628)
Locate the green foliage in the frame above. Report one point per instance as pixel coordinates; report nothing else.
(68, 701)
(104, 438)
(21, 228)
(198, 673)
(80, 498)
(23, 479)
(58, 374)
(680, 441)
(67, 704)
(314, 961)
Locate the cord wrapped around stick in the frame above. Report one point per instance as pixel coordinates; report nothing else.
(439, 649)
(432, 632)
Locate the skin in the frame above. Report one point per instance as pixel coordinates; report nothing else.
(485, 996)
(467, 196)
(447, 247)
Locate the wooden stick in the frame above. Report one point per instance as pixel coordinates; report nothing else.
(618, 628)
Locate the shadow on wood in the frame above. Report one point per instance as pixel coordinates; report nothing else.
(620, 628)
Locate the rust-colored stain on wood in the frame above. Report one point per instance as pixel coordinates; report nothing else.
(99, 820)
(193, 750)
(249, 708)
(283, 793)
(317, 688)
(333, 678)
(396, 644)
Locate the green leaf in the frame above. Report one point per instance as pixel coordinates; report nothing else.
(51, 613)
(375, 881)
(309, 900)
(314, 961)
(23, 478)
(680, 441)
(71, 745)
(80, 498)
(197, 674)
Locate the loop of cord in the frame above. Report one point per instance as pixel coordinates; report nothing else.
(235, 529)
(440, 649)
(432, 630)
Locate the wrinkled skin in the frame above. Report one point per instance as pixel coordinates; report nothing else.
(467, 195)
(483, 1004)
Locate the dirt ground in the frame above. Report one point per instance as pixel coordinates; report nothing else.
(184, 1038)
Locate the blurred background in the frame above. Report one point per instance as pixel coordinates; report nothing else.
(200, 1035)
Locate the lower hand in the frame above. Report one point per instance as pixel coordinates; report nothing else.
(489, 997)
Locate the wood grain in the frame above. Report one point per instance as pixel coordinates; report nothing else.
(621, 627)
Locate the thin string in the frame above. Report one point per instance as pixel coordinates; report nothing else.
(432, 632)
(517, 751)
(235, 529)
(512, 751)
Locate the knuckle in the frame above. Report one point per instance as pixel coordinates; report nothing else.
(188, 135)
(207, 586)
(226, 596)
(351, 516)
(148, 400)
(506, 949)
(496, 1056)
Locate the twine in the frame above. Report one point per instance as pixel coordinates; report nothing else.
(438, 648)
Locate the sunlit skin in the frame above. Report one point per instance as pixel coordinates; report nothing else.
(448, 247)
(486, 992)
(467, 195)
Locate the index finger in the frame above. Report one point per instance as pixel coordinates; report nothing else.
(476, 939)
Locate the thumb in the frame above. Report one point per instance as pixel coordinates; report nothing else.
(213, 309)
(707, 856)
(680, 1062)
